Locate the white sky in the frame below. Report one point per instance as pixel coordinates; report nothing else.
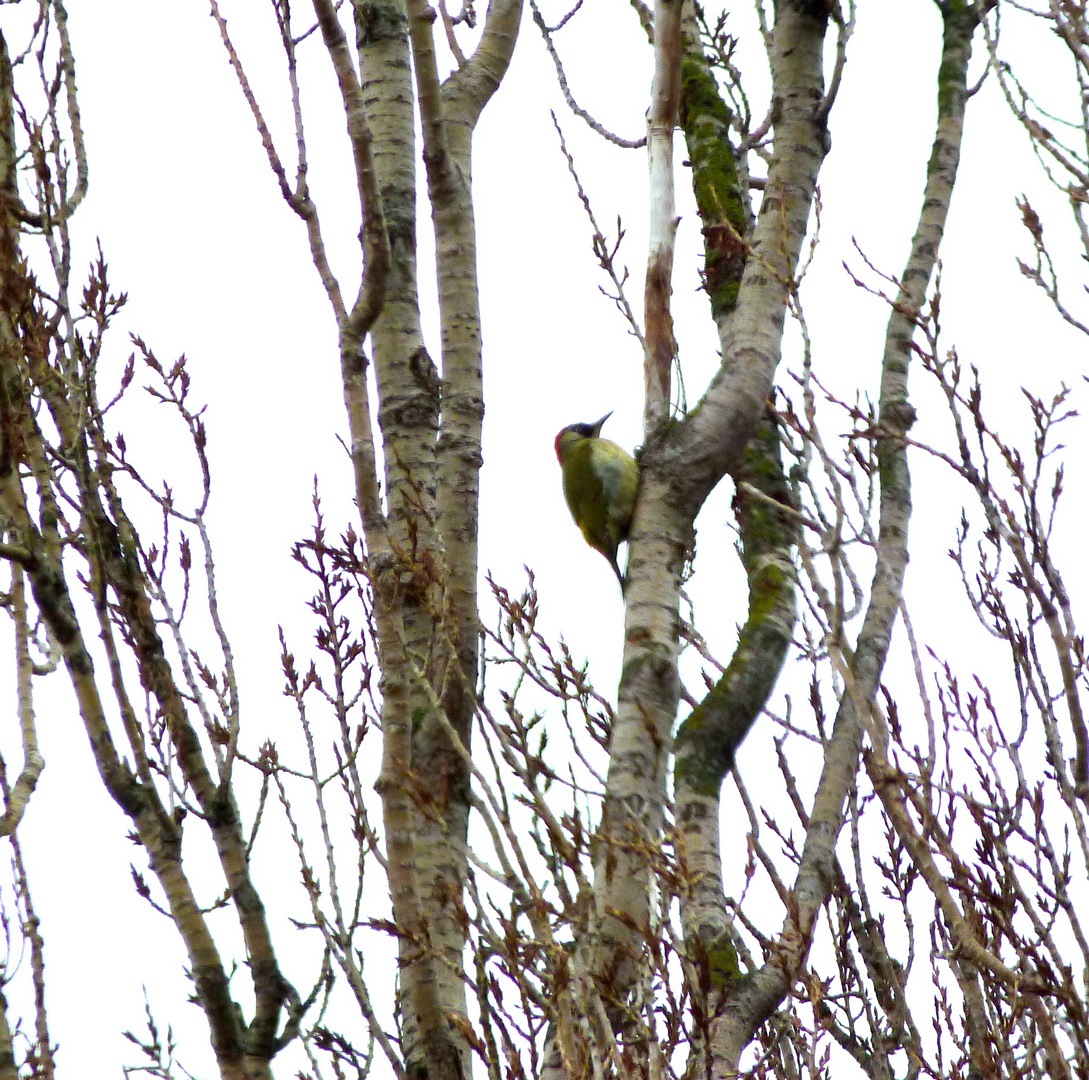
(194, 229)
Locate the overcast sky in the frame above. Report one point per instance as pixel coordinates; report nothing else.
(194, 229)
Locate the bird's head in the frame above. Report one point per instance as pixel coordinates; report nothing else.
(573, 432)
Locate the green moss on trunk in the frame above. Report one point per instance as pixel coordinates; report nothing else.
(705, 119)
(708, 739)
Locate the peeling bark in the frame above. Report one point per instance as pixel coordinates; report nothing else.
(661, 122)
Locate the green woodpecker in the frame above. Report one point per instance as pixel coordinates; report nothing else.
(599, 483)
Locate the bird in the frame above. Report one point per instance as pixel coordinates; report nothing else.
(600, 480)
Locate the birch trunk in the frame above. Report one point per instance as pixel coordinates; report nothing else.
(749, 1003)
(680, 466)
(431, 433)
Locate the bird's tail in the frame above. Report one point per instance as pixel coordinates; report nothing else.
(619, 575)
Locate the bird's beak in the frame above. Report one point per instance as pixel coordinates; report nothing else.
(598, 424)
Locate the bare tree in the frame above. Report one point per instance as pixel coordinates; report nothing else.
(553, 862)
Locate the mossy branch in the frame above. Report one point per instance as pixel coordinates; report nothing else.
(708, 739)
(762, 995)
(724, 218)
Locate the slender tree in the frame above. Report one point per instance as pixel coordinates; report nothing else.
(551, 863)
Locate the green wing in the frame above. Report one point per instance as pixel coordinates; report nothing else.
(585, 496)
(619, 477)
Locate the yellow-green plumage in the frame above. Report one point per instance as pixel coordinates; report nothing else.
(600, 480)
